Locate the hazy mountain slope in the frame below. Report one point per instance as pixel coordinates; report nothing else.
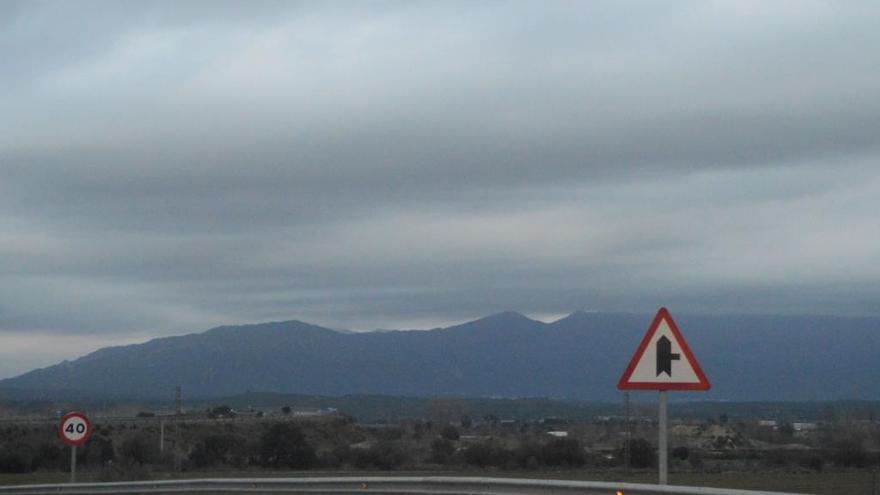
(504, 355)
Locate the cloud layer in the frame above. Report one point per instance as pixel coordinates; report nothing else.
(164, 168)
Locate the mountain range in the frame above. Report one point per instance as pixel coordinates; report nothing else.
(508, 355)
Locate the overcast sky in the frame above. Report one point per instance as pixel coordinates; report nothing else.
(168, 167)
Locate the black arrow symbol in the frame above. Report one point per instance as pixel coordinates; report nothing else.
(665, 356)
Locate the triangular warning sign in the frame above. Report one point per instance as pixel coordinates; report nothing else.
(663, 361)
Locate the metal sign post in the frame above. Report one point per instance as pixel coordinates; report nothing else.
(662, 447)
(627, 446)
(663, 361)
(73, 463)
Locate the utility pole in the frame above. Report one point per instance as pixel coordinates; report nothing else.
(178, 400)
(162, 436)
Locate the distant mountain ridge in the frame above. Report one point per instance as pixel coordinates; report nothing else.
(505, 355)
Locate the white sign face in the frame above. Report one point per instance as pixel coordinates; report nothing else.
(663, 361)
(74, 429)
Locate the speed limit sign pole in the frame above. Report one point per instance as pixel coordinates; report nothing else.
(74, 429)
(73, 463)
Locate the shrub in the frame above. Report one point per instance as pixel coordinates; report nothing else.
(218, 449)
(815, 463)
(384, 455)
(15, 461)
(139, 449)
(285, 445)
(849, 452)
(48, 456)
(334, 457)
(418, 430)
(99, 451)
(563, 452)
(450, 433)
(486, 454)
(442, 450)
(388, 433)
(532, 463)
(680, 453)
(466, 422)
(528, 455)
(221, 412)
(641, 453)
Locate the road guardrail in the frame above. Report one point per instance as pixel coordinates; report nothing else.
(429, 485)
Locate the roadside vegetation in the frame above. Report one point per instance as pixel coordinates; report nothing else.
(712, 452)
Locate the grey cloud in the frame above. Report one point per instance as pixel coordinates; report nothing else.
(170, 166)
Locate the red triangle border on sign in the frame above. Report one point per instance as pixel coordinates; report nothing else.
(626, 384)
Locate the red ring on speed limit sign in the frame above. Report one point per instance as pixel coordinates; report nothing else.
(74, 428)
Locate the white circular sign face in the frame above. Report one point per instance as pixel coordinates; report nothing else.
(74, 429)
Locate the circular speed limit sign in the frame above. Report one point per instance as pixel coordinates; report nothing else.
(74, 428)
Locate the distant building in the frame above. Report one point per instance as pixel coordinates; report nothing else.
(558, 434)
(770, 423)
(805, 426)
